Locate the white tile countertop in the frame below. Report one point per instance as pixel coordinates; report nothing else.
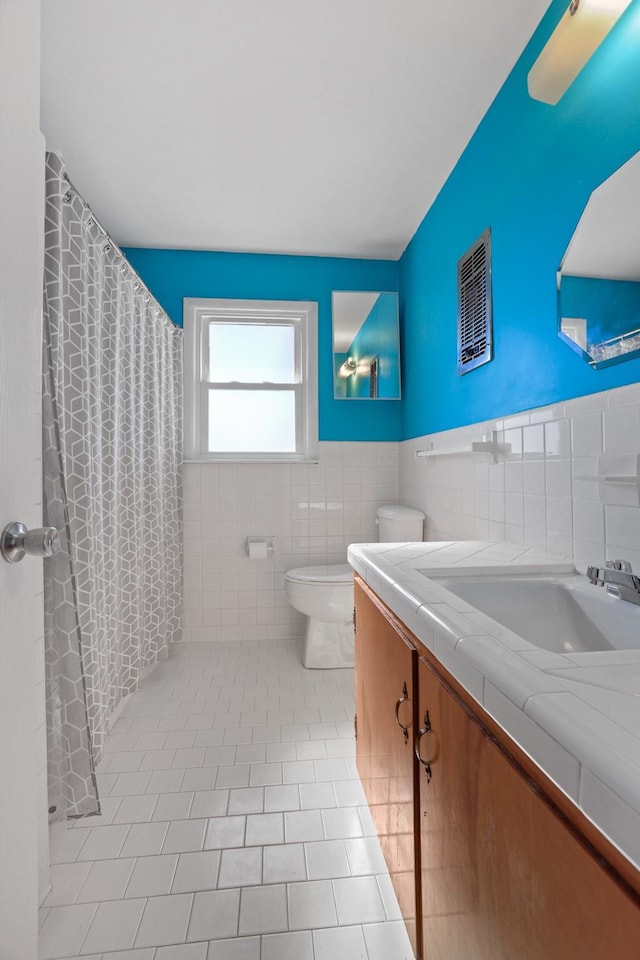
(576, 715)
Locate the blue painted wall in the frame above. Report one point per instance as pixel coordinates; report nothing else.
(172, 275)
(527, 173)
(610, 307)
(378, 336)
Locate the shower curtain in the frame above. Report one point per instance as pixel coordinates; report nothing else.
(112, 486)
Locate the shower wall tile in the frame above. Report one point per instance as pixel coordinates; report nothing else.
(313, 512)
(543, 491)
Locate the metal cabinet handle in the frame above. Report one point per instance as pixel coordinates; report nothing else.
(16, 541)
(420, 734)
(399, 702)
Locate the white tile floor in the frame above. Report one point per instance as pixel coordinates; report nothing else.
(234, 826)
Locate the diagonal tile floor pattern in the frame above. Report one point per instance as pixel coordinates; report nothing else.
(233, 823)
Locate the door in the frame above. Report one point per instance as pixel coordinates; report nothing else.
(451, 743)
(503, 875)
(384, 685)
(22, 761)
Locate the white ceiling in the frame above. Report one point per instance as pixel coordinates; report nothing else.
(282, 126)
(607, 239)
(349, 311)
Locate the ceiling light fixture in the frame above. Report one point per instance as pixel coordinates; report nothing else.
(583, 27)
(348, 368)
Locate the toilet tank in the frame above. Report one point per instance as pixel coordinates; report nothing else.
(397, 523)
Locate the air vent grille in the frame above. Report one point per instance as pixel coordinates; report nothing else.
(474, 305)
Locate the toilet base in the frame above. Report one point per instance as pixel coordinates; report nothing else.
(328, 645)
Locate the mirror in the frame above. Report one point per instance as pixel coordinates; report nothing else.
(366, 345)
(599, 277)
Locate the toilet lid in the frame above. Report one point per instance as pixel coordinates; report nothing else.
(332, 573)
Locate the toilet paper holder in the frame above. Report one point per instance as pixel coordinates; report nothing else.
(259, 548)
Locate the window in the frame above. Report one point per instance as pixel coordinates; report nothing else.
(250, 380)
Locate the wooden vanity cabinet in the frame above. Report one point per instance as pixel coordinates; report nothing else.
(385, 676)
(502, 873)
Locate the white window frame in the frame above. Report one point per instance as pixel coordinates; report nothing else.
(197, 315)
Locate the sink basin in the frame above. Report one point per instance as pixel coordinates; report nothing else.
(560, 613)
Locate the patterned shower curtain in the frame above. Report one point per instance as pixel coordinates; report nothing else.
(112, 486)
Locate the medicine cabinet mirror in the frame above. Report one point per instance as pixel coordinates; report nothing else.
(599, 277)
(366, 345)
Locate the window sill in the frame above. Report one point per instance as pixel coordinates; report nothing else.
(266, 459)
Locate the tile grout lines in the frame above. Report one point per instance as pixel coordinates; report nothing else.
(234, 825)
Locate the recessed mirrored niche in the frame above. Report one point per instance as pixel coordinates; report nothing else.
(366, 345)
(599, 277)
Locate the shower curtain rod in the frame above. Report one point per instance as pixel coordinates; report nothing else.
(109, 239)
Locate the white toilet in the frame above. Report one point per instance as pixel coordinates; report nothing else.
(325, 593)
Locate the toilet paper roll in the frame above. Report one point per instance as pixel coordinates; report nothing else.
(257, 549)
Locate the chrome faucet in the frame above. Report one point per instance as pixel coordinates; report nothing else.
(619, 579)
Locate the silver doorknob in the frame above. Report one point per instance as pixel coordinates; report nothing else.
(16, 541)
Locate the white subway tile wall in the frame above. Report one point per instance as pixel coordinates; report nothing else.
(542, 492)
(313, 512)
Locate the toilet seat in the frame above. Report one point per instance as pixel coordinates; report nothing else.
(330, 573)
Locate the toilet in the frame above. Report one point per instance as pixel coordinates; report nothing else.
(325, 593)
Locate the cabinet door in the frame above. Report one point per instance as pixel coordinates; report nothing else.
(385, 704)
(503, 874)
